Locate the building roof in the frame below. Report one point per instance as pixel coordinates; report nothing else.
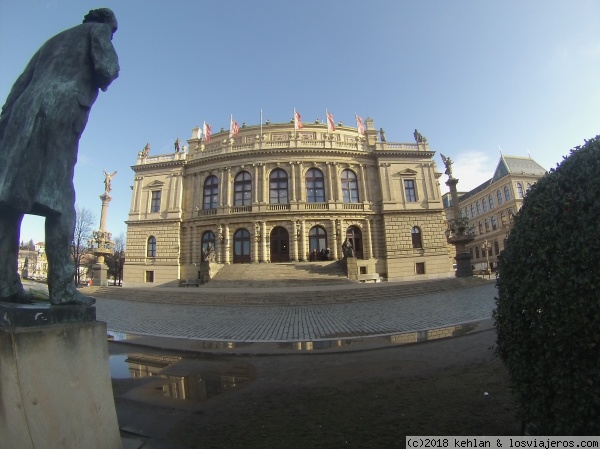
(508, 165)
(517, 165)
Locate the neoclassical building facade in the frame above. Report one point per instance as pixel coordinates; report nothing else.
(274, 194)
(491, 207)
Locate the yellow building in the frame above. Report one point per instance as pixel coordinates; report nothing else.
(273, 194)
(491, 207)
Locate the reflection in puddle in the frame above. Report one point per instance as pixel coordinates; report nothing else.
(178, 378)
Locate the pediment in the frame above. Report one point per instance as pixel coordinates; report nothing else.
(407, 172)
(155, 184)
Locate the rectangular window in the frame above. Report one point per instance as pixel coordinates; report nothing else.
(155, 205)
(149, 276)
(409, 190)
(420, 267)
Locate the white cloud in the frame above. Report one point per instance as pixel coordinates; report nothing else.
(471, 168)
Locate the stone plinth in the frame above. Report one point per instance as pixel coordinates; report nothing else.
(100, 275)
(55, 384)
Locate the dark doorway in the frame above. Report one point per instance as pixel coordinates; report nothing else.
(354, 236)
(280, 245)
(241, 246)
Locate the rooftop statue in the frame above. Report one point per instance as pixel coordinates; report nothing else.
(107, 181)
(40, 125)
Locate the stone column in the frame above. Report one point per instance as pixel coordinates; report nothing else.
(301, 241)
(368, 240)
(257, 238)
(292, 182)
(294, 240)
(265, 237)
(226, 245)
(363, 183)
(330, 181)
(301, 182)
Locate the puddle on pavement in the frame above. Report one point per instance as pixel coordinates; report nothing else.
(177, 381)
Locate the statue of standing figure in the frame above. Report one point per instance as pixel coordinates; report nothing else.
(177, 145)
(40, 125)
(419, 138)
(107, 181)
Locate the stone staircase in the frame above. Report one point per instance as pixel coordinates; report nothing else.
(299, 274)
(282, 293)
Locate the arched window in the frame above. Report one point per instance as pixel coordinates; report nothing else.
(528, 188)
(317, 241)
(278, 187)
(211, 193)
(349, 187)
(151, 247)
(487, 225)
(208, 238)
(496, 247)
(417, 240)
(243, 189)
(354, 237)
(480, 228)
(477, 252)
(499, 196)
(507, 193)
(491, 200)
(241, 246)
(520, 190)
(472, 210)
(484, 204)
(503, 219)
(494, 223)
(467, 212)
(315, 186)
(478, 205)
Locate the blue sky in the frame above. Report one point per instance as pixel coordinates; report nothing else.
(472, 76)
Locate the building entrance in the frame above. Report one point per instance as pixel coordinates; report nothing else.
(354, 236)
(280, 245)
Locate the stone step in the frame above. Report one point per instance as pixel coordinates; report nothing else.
(289, 295)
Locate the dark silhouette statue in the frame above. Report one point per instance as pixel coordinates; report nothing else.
(40, 125)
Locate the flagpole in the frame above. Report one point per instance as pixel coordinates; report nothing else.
(260, 137)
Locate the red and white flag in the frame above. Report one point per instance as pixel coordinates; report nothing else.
(206, 132)
(330, 122)
(297, 121)
(360, 126)
(233, 128)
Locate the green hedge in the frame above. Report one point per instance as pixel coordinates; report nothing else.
(548, 304)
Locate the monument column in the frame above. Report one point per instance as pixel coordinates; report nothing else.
(101, 243)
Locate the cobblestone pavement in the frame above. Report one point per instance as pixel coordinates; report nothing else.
(298, 323)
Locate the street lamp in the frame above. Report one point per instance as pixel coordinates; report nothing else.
(486, 246)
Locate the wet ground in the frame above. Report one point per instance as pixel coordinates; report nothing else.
(177, 399)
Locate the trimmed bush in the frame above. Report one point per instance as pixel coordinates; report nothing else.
(548, 304)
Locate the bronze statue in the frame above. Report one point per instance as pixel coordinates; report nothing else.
(146, 151)
(40, 125)
(177, 145)
(382, 135)
(448, 164)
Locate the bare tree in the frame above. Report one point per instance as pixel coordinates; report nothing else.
(84, 223)
(116, 260)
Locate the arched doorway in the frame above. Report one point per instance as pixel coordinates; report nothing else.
(354, 236)
(280, 245)
(241, 246)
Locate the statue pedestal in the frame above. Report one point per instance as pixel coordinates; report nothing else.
(100, 275)
(54, 379)
(463, 265)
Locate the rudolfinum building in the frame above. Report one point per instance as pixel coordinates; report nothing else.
(281, 193)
